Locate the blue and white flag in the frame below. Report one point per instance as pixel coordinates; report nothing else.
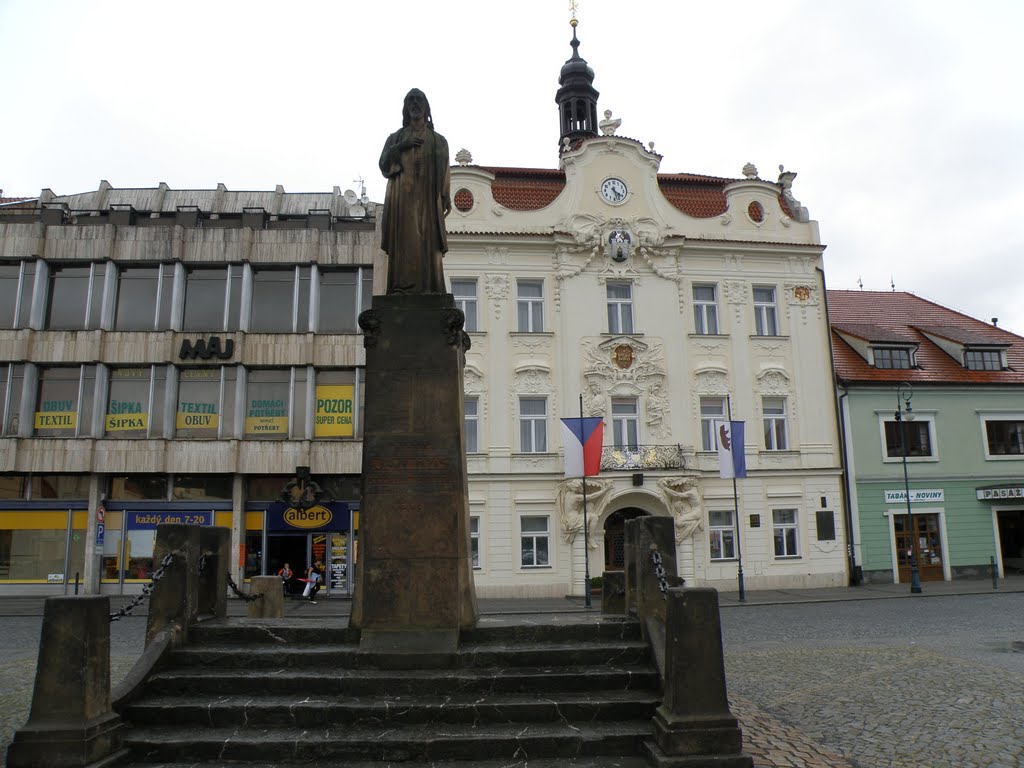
(732, 461)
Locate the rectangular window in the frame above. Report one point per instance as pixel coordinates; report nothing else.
(534, 539)
(12, 379)
(625, 422)
(474, 540)
(34, 546)
(139, 487)
(533, 425)
(826, 525)
(722, 535)
(784, 532)
(620, 307)
(712, 409)
(202, 488)
(335, 408)
(267, 403)
(472, 408)
(144, 298)
(983, 360)
(891, 357)
(464, 291)
(919, 442)
(274, 300)
(530, 305)
(339, 303)
(75, 297)
(135, 402)
(213, 298)
(765, 315)
(705, 310)
(773, 410)
(1005, 437)
(206, 402)
(64, 401)
(16, 281)
(59, 487)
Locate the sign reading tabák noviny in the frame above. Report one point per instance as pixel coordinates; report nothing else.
(334, 411)
(266, 417)
(916, 496)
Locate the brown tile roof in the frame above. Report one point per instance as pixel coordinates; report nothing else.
(526, 189)
(18, 202)
(960, 335)
(904, 315)
(875, 333)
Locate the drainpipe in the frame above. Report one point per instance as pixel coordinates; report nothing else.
(839, 403)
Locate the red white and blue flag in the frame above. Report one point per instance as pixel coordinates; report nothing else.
(583, 439)
(732, 461)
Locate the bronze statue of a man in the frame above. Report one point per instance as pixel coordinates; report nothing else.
(418, 197)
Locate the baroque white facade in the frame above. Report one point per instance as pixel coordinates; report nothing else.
(658, 301)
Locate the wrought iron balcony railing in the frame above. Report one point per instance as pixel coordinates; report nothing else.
(643, 457)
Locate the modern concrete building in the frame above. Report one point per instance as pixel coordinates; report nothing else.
(958, 386)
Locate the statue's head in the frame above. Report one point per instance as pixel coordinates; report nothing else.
(416, 106)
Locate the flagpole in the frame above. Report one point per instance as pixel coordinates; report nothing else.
(586, 532)
(736, 505)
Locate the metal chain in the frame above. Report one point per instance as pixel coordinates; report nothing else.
(240, 593)
(158, 574)
(659, 571)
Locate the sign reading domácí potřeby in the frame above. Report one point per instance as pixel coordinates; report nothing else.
(266, 417)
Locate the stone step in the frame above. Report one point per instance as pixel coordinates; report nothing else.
(305, 711)
(364, 682)
(425, 743)
(595, 761)
(287, 656)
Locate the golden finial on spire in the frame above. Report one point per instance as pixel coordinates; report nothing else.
(572, 9)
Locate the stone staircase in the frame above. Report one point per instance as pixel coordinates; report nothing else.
(269, 693)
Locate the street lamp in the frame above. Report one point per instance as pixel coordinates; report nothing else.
(904, 413)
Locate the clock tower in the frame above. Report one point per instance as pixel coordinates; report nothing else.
(576, 98)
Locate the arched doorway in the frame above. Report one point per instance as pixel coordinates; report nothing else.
(615, 537)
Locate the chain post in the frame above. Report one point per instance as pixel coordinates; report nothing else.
(147, 589)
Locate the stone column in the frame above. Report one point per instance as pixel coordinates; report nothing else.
(694, 727)
(71, 723)
(271, 602)
(653, 534)
(414, 586)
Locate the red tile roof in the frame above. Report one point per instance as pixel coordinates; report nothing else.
(13, 202)
(885, 316)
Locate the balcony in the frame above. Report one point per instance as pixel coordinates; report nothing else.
(643, 457)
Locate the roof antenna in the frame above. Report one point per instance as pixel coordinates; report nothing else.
(860, 283)
(892, 284)
(362, 189)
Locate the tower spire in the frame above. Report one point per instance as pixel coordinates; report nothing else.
(576, 96)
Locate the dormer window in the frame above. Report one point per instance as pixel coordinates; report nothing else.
(983, 359)
(892, 357)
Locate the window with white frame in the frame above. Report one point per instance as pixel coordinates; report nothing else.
(784, 532)
(464, 291)
(892, 357)
(766, 321)
(474, 540)
(625, 422)
(918, 437)
(471, 410)
(620, 307)
(534, 541)
(705, 309)
(712, 409)
(1004, 436)
(722, 534)
(75, 297)
(773, 410)
(983, 359)
(16, 282)
(533, 425)
(530, 305)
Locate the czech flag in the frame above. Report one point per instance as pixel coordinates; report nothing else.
(732, 461)
(583, 439)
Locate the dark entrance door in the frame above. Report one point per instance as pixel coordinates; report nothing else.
(615, 537)
(929, 547)
(1011, 539)
(291, 548)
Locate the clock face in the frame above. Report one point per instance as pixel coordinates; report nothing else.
(614, 190)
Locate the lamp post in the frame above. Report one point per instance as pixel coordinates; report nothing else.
(904, 413)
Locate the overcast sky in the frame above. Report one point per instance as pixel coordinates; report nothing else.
(903, 118)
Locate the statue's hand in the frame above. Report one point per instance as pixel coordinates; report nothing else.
(411, 143)
(446, 202)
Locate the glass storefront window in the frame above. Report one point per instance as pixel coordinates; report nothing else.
(266, 487)
(139, 554)
(133, 487)
(64, 401)
(33, 546)
(213, 298)
(110, 564)
(13, 486)
(253, 553)
(135, 402)
(144, 298)
(201, 488)
(60, 486)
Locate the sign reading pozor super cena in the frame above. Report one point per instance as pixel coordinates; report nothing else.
(334, 411)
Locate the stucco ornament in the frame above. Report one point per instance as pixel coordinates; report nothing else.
(657, 409)
(682, 497)
(569, 498)
(496, 285)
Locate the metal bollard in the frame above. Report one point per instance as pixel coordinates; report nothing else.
(995, 572)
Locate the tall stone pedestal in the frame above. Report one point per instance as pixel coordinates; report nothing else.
(414, 580)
